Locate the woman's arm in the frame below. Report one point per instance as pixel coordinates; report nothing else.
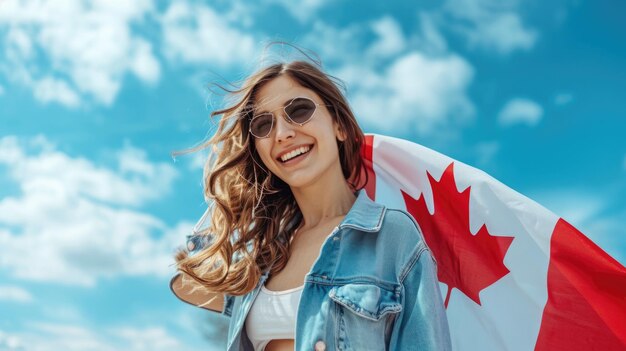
(213, 301)
(191, 292)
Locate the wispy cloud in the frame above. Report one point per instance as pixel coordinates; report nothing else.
(54, 337)
(486, 152)
(390, 39)
(430, 39)
(302, 11)
(332, 43)
(416, 91)
(198, 160)
(562, 99)
(154, 338)
(409, 81)
(88, 48)
(376, 42)
(49, 89)
(10, 342)
(15, 294)
(83, 218)
(492, 25)
(520, 111)
(195, 33)
(61, 312)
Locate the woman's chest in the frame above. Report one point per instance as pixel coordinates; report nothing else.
(305, 250)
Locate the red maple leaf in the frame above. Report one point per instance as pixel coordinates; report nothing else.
(465, 261)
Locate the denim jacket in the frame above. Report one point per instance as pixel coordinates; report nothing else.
(373, 287)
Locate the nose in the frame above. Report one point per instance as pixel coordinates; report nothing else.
(283, 129)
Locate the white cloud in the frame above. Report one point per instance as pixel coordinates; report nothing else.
(143, 63)
(196, 33)
(135, 182)
(1, 90)
(147, 339)
(50, 89)
(503, 33)
(390, 41)
(430, 39)
(198, 159)
(88, 48)
(241, 12)
(83, 218)
(415, 92)
(14, 293)
(20, 42)
(303, 11)
(61, 312)
(562, 99)
(71, 337)
(486, 151)
(10, 342)
(332, 43)
(346, 44)
(491, 24)
(392, 89)
(520, 111)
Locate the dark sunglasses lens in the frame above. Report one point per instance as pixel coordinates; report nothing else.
(300, 110)
(261, 125)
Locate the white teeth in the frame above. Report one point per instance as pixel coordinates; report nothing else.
(295, 153)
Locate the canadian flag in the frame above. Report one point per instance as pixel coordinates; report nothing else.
(513, 275)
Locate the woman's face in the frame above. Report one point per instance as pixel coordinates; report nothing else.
(319, 135)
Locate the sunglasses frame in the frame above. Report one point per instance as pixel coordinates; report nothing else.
(285, 115)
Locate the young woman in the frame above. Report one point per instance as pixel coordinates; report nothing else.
(295, 252)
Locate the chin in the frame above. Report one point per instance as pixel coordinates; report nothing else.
(300, 182)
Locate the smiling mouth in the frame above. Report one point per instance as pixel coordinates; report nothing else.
(296, 157)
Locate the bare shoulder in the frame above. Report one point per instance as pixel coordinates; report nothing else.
(190, 291)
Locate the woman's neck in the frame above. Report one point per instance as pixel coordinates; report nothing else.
(320, 204)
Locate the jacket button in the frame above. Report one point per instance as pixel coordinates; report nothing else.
(190, 245)
(320, 346)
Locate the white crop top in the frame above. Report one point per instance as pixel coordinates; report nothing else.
(272, 316)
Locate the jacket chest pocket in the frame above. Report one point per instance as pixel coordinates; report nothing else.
(364, 315)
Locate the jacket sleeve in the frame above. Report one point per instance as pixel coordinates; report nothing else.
(422, 324)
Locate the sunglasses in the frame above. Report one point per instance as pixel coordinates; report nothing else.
(299, 110)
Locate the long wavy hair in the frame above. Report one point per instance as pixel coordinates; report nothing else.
(253, 213)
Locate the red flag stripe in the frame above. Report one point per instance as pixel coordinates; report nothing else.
(586, 308)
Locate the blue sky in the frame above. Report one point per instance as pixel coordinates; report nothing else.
(95, 96)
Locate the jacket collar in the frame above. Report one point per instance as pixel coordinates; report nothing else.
(365, 214)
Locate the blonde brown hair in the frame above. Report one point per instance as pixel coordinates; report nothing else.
(253, 212)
